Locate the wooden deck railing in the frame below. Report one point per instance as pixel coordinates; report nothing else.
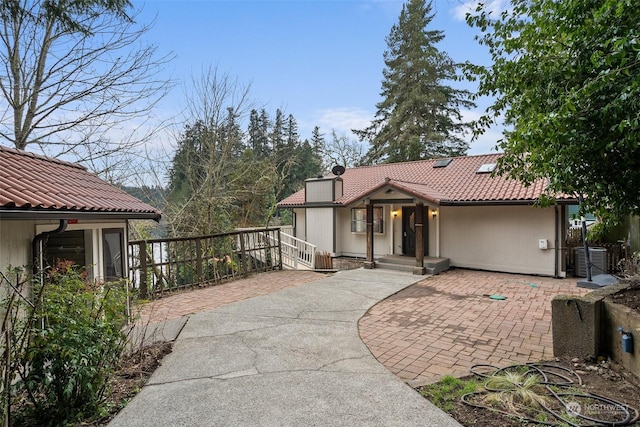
(295, 253)
(160, 265)
(615, 253)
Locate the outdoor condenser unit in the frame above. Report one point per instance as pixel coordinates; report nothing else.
(598, 261)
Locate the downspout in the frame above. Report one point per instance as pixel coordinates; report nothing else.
(35, 244)
(557, 242)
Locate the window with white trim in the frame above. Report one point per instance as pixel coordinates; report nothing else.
(359, 220)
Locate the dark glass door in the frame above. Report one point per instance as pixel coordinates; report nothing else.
(112, 251)
(409, 231)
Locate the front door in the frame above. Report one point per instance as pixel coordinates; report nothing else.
(409, 231)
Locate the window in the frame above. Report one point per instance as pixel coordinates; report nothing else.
(442, 163)
(486, 168)
(66, 246)
(112, 249)
(359, 220)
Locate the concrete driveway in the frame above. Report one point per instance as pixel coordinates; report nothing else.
(444, 324)
(288, 358)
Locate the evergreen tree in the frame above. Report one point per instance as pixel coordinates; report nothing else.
(295, 161)
(419, 116)
(291, 131)
(231, 134)
(258, 133)
(277, 134)
(317, 140)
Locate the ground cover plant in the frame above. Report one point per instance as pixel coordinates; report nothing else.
(559, 393)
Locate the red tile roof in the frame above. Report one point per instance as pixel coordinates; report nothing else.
(456, 183)
(33, 183)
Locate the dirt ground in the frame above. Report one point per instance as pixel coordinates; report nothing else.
(631, 296)
(601, 378)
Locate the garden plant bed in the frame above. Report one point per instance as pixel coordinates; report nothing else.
(135, 370)
(629, 297)
(601, 378)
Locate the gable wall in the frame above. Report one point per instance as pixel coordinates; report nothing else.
(498, 238)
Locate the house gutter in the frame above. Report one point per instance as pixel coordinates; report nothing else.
(87, 215)
(501, 202)
(35, 244)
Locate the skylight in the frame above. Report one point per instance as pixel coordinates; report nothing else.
(442, 163)
(486, 168)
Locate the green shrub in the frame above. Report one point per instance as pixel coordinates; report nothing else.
(74, 340)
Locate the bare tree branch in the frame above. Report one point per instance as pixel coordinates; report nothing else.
(73, 72)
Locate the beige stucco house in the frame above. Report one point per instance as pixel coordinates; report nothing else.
(51, 209)
(445, 208)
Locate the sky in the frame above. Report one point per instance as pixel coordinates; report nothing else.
(320, 61)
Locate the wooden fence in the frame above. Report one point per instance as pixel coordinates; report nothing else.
(615, 253)
(160, 265)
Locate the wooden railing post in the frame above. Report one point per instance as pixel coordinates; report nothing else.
(142, 253)
(243, 254)
(199, 260)
(279, 251)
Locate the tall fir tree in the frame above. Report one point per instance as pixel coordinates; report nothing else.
(278, 134)
(419, 116)
(317, 140)
(258, 133)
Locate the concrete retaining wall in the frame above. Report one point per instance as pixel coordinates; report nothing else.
(587, 327)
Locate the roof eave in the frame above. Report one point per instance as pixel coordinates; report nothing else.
(502, 202)
(311, 205)
(96, 215)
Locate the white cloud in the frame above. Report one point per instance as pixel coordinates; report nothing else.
(342, 120)
(494, 6)
(345, 119)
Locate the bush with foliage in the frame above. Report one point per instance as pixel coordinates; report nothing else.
(65, 344)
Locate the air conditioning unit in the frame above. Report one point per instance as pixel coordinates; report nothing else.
(598, 261)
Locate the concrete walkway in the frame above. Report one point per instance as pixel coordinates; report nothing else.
(293, 357)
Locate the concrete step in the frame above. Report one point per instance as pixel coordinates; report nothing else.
(404, 263)
(401, 267)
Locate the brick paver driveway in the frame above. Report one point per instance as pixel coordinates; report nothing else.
(447, 323)
(190, 301)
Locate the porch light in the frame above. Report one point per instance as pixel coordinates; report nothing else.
(394, 213)
(434, 213)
